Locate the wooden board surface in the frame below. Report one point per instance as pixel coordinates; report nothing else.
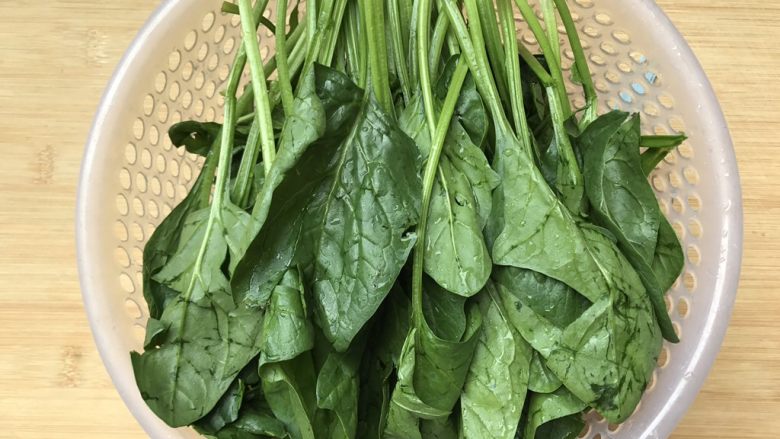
(55, 59)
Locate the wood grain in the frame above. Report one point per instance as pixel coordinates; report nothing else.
(55, 59)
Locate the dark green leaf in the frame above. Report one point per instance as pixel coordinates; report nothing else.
(551, 299)
(439, 428)
(497, 382)
(621, 197)
(662, 142)
(401, 424)
(338, 387)
(456, 255)
(434, 362)
(554, 416)
(198, 334)
(652, 157)
(196, 137)
(289, 388)
(470, 110)
(165, 240)
(607, 355)
(254, 422)
(541, 379)
(357, 225)
(226, 410)
(271, 244)
(287, 331)
(624, 202)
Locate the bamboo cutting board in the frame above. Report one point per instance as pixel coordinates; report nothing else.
(56, 57)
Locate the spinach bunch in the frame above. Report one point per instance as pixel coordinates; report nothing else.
(408, 233)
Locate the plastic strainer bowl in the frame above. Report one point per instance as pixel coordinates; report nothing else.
(132, 177)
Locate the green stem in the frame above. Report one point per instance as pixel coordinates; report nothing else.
(354, 53)
(223, 167)
(332, 32)
(475, 55)
(513, 72)
(311, 24)
(281, 57)
(549, 55)
(399, 51)
(535, 66)
(492, 38)
(551, 26)
(262, 106)
(580, 63)
(423, 36)
(373, 12)
(412, 62)
(452, 40)
(440, 32)
(429, 178)
(240, 194)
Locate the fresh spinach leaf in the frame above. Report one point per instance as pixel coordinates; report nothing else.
(607, 355)
(269, 246)
(287, 331)
(435, 361)
(554, 415)
(551, 299)
(497, 382)
(196, 137)
(289, 388)
(181, 379)
(624, 202)
(456, 254)
(541, 379)
(226, 410)
(357, 225)
(338, 390)
(470, 111)
(165, 240)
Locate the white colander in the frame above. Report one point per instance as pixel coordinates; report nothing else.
(132, 177)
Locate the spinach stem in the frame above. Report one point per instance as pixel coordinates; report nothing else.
(394, 16)
(486, 13)
(429, 178)
(311, 24)
(332, 26)
(535, 66)
(281, 57)
(413, 62)
(423, 40)
(262, 106)
(247, 98)
(223, 167)
(580, 63)
(373, 13)
(556, 74)
(474, 53)
(452, 40)
(506, 14)
(440, 32)
(551, 26)
(355, 52)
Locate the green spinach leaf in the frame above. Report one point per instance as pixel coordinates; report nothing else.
(624, 202)
(497, 382)
(197, 358)
(289, 388)
(554, 415)
(287, 330)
